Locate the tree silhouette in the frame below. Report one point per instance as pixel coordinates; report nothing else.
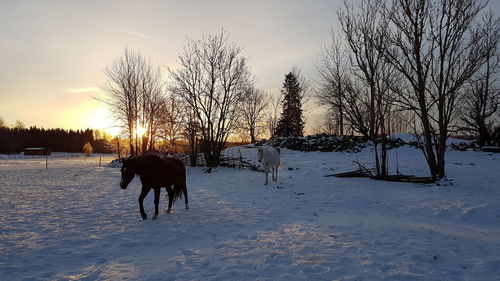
(211, 79)
(291, 122)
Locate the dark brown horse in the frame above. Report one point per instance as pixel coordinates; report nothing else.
(155, 173)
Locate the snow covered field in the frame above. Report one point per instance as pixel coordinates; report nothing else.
(73, 221)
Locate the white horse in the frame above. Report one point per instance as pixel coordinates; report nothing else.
(269, 157)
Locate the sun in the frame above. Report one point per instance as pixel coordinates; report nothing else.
(140, 130)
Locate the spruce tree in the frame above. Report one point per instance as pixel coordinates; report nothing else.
(291, 121)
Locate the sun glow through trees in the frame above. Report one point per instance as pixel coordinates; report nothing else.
(140, 131)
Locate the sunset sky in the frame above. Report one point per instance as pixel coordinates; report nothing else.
(53, 53)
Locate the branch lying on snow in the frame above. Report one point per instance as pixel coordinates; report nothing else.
(361, 172)
(368, 173)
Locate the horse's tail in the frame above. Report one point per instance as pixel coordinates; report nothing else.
(180, 185)
(178, 189)
(279, 158)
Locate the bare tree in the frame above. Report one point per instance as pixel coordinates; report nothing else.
(457, 58)
(482, 96)
(134, 94)
(357, 111)
(327, 124)
(122, 92)
(153, 103)
(211, 79)
(369, 91)
(19, 125)
(272, 114)
(252, 109)
(333, 70)
(172, 121)
(402, 121)
(434, 46)
(192, 134)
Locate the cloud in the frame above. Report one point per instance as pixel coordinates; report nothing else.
(123, 30)
(81, 90)
(11, 43)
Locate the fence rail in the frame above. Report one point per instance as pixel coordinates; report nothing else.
(228, 159)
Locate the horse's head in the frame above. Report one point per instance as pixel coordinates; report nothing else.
(128, 173)
(259, 153)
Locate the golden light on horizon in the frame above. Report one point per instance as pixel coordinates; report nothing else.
(113, 131)
(99, 118)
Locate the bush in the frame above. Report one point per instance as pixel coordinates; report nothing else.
(88, 149)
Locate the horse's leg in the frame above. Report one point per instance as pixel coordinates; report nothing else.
(170, 198)
(185, 191)
(157, 201)
(276, 173)
(266, 170)
(144, 192)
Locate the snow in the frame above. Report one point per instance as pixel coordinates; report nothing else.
(408, 138)
(72, 221)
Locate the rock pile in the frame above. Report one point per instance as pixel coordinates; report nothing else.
(327, 143)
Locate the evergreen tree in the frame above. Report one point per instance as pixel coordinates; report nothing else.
(291, 122)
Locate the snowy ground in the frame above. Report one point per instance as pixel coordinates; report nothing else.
(72, 221)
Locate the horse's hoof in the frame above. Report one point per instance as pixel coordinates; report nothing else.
(187, 207)
(155, 217)
(144, 217)
(167, 212)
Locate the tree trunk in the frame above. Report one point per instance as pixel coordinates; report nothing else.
(252, 135)
(131, 145)
(384, 170)
(484, 136)
(341, 118)
(193, 151)
(210, 153)
(377, 162)
(144, 144)
(429, 148)
(441, 151)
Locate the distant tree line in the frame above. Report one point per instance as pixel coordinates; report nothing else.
(16, 139)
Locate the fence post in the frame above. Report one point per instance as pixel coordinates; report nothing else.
(241, 158)
(46, 163)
